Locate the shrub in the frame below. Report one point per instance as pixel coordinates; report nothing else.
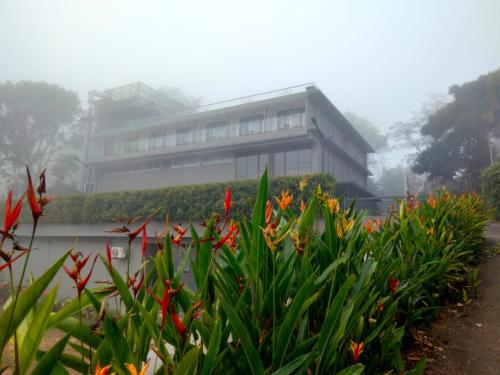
(490, 187)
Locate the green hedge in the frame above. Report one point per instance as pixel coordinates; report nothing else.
(190, 202)
(490, 187)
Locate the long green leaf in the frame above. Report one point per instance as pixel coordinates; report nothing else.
(26, 300)
(213, 348)
(50, 359)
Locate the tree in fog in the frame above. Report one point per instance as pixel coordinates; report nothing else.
(38, 127)
(369, 131)
(460, 131)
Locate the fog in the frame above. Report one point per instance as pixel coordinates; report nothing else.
(381, 60)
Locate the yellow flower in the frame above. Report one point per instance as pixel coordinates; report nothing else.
(333, 205)
(285, 200)
(133, 371)
(344, 226)
(430, 231)
(302, 184)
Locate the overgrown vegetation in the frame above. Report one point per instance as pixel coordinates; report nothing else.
(190, 202)
(276, 293)
(490, 187)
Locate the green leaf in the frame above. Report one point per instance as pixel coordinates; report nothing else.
(240, 330)
(36, 329)
(291, 366)
(213, 348)
(356, 369)
(25, 302)
(50, 359)
(189, 362)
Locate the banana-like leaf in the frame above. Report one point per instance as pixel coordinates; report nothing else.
(49, 360)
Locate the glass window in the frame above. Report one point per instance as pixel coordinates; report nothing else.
(292, 118)
(185, 136)
(185, 162)
(251, 124)
(155, 141)
(241, 168)
(249, 167)
(217, 130)
(263, 162)
(292, 163)
(279, 164)
(131, 144)
(108, 148)
(305, 161)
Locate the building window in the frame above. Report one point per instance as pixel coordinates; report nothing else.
(217, 160)
(131, 144)
(251, 124)
(185, 162)
(185, 136)
(155, 141)
(250, 167)
(108, 148)
(217, 130)
(292, 118)
(293, 163)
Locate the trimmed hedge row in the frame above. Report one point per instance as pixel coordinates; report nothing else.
(490, 187)
(189, 202)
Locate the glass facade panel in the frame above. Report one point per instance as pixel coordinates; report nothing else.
(305, 161)
(131, 145)
(108, 148)
(185, 136)
(293, 118)
(250, 167)
(279, 164)
(251, 124)
(292, 163)
(217, 130)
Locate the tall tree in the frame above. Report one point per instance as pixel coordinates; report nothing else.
(460, 131)
(38, 122)
(368, 130)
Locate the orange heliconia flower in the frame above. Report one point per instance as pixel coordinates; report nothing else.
(356, 349)
(101, 371)
(133, 370)
(333, 205)
(369, 226)
(285, 200)
(36, 210)
(302, 206)
(432, 202)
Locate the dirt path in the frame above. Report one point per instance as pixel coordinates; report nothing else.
(470, 343)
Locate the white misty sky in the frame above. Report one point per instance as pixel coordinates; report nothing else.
(380, 59)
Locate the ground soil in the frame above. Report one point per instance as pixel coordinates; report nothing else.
(467, 340)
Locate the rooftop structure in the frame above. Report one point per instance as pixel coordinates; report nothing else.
(141, 138)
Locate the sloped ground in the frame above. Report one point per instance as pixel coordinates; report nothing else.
(470, 343)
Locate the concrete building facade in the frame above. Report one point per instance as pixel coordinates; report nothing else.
(139, 139)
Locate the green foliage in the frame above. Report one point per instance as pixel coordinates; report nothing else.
(191, 202)
(490, 187)
(460, 131)
(293, 293)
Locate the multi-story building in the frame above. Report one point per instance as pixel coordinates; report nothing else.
(140, 138)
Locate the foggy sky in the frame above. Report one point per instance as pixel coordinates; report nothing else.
(380, 59)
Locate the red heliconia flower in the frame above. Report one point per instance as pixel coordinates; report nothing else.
(132, 283)
(164, 302)
(177, 239)
(356, 349)
(393, 285)
(12, 260)
(227, 201)
(232, 228)
(75, 272)
(101, 371)
(108, 255)
(178, 323)
(269, 212)
(133, 235)
(144, 242)
(12, 215)
(36, 210)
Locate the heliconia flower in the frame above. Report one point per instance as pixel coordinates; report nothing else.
(12, 260)
(369, 226)
(109, 256)
(75, 272)
(134, 234)
(163, 302)
(36, 210)
(432, 202)
(227, 202)
(344, 226)
(132, 283)
(101, 371)
(393, 285)
(178, 323)
(430, 231)
(12, 215)
(232, 228)
(285, 200)
(133, 370)
(302, 184)
(356, 349)
(302, 206)
(269, 211)
(177, 239)
(144, 241)
(333, 205)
